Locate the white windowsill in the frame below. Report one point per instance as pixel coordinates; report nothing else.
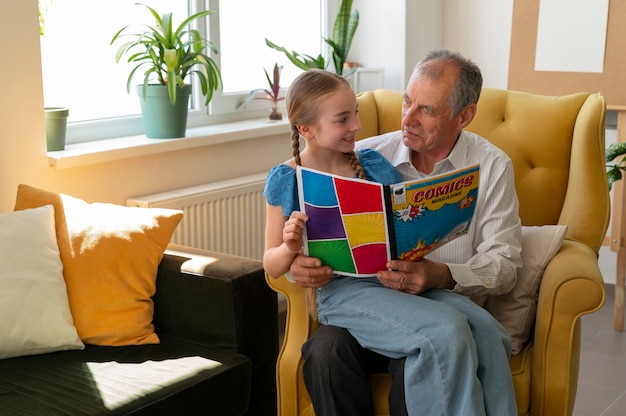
(88, 153)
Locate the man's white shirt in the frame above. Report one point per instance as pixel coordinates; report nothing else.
(486, 259)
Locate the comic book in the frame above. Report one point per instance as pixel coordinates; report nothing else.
(357, 226)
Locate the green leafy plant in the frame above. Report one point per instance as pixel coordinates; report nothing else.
(345, 26)
(170, 55)
(304, 62)
(272, 94)
(615, 168)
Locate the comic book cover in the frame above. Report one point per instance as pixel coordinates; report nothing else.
(357, 226)
(431, 212)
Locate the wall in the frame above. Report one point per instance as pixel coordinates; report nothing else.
(397, 35)
(481, 30)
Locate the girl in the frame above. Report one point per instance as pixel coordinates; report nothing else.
(322, 109)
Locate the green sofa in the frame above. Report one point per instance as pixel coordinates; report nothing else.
(217, 321)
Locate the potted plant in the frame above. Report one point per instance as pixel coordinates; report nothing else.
(345, 26)
(55, 117)
(272, 94)
(166, 56)
(615, 168)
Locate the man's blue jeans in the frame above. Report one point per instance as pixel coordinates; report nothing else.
(456, 352)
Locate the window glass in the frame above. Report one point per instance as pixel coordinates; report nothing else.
(244, 25)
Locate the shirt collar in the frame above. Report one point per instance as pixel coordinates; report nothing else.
(402, 155)
(455, 160)
(458, 154)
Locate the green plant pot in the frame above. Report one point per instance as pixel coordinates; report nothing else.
(161, 119)
(56, 127)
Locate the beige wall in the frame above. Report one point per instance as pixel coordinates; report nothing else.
(22, 137)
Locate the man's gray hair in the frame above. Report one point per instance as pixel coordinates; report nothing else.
(469, 83)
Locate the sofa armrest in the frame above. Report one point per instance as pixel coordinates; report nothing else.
(572, 286)
(222, 301)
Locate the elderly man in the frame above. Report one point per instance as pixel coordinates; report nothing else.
(439, 102)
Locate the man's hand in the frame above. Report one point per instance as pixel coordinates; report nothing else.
(309, 272)
(416, 277)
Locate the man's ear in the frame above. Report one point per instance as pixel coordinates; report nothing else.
(467, 115)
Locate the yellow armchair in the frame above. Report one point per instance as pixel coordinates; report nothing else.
(557, 148)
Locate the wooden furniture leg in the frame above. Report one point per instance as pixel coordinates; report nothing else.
(618, 312)
(618, 231)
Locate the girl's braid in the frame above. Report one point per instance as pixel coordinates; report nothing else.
(354, 159)
(295, 145)
(310, 293)
(356, 165)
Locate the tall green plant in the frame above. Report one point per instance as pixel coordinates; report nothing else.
(171, 54)
(345, 26)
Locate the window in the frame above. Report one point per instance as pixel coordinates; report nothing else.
(243, 27)
(80, 72)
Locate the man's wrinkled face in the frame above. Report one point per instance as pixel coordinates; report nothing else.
(428, 125)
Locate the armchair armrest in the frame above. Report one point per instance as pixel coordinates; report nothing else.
(571, 286)
(293, 396)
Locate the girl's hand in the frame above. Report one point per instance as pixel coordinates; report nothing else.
(292, 231)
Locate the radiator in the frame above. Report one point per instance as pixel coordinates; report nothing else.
(226, 216)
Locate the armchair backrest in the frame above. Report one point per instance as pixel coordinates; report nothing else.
(380, 111)
(558, 159)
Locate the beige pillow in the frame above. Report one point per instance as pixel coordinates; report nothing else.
(110, 256)
(35, 313)
(517, 309)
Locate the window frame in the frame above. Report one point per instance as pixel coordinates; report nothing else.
(221, 109)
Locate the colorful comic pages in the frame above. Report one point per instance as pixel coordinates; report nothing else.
(356, 226)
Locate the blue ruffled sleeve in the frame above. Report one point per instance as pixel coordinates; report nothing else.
(378, 168)
(281, 190)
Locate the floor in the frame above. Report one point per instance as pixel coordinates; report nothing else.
(602, 377)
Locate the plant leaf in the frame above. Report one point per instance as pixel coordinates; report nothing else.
(344, 28)
(615, 150)
(613, 174)
(304, 62)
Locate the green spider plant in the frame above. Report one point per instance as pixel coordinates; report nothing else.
(169, 54)
(344, 28)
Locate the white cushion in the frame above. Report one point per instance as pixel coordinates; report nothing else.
(516, 310)
(35, 315)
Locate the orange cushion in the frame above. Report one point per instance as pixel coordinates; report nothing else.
(110, 255)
